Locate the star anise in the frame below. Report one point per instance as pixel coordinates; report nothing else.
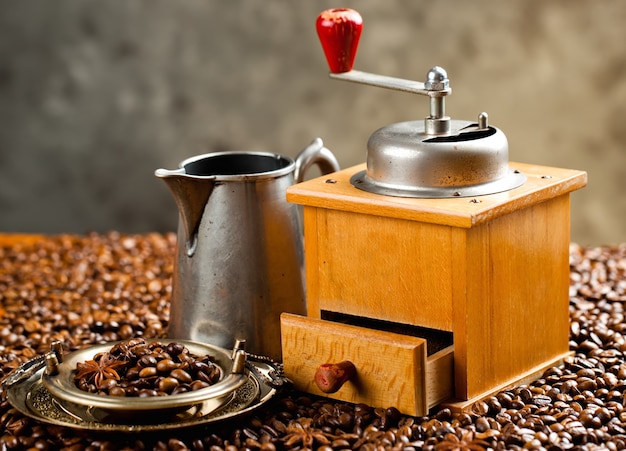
(467, 442)
(301, 433)
(100, 368)
(125, 350)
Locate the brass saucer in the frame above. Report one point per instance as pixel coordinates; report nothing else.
(32, 398)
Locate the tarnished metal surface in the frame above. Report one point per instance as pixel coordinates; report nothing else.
(471, 160)
(63, 387)
(31, 397)
(240, 257)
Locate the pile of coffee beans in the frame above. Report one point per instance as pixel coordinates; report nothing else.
(101, 288)
(137, 368)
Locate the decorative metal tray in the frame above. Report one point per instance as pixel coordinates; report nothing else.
(30, 395)
(62, 385)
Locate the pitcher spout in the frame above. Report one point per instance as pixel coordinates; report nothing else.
(191, 194)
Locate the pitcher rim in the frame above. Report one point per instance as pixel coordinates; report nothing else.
(289, 168)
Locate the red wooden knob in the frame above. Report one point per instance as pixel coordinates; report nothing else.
(339, 30)
(330, 377)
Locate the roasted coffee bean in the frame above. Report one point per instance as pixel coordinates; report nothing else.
(142, 368)
(181, 389)
(174, 348)
(148, 371)
(210, 378)
(198, 385)
(117, 391)
(182, 375)
(176, 445)
(133, 373)
(147, 361)
(168, 384)
(147, 392)
(166, 366)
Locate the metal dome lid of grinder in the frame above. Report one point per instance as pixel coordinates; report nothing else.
(437, 157)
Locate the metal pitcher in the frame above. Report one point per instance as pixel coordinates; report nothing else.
(240, 260)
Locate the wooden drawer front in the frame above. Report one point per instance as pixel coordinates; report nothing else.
(391, 368)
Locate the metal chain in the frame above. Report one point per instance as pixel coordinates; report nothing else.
(24, 371)
(30, 367)
(275, 378)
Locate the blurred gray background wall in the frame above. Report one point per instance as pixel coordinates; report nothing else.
(95, 95)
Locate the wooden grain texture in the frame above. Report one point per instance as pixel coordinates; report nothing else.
(500, 287)
(492, 270)
(376, 267)
(525, 378)
(311, 259)
(511, 296)
(543, 183)
(439, 377)
(390, 367)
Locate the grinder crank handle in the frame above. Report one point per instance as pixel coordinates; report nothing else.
(339, 31)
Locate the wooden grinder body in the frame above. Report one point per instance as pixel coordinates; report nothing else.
(490, 273)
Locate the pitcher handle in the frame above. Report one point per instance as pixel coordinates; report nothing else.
(315, 153)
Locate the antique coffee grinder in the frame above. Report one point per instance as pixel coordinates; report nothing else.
(437, 272)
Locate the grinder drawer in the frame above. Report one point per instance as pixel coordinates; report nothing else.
(391, 369)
